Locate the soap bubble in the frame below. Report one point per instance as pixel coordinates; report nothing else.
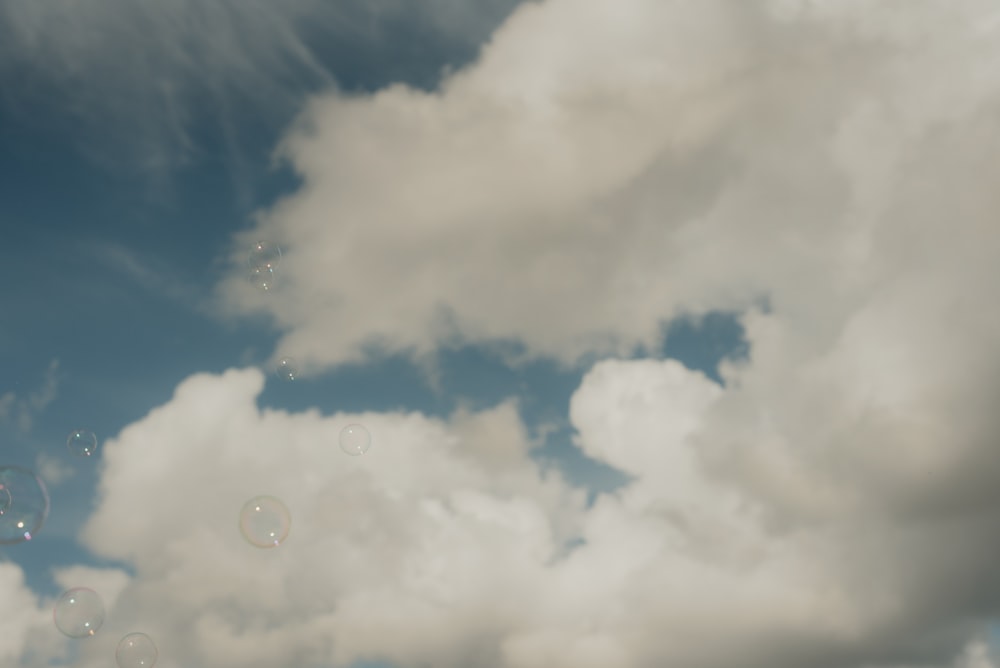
(79, 613)
(4, 500)
(265, 521)
(136, 650)
(264, 255)
(286, 369)
(355, 439)
(82, 443)
(27, 505)
(262, 278)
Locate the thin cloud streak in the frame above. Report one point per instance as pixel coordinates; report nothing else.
(140, 81)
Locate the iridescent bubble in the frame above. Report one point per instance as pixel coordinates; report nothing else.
(82, 443)
(265, 521)
(27, 505)
(79, 613)
(264, 255)
(286, 369)
(355, 439)
(136, 650)
(262, 278)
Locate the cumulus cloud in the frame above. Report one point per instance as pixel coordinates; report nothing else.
(109, 582)
(522, 167)
(395, 544)
(20, 631)
(603, 167)
(606, 166)
(447, 545)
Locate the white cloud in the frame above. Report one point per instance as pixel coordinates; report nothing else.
(442, 544)
(524, 167)
(25, 617)
(108, 582)
(394, 544)
(606, 166)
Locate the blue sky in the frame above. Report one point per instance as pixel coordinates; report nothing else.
(651, 311)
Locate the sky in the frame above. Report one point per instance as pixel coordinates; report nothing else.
(671, 324)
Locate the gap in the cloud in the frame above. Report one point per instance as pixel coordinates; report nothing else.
(701, 342)
(560, 453)
(485, 377)
(386, 384)
(471, 376)
(372, 49)
(481, 376)
(993, 638)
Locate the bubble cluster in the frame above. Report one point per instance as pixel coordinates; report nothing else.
(136, 650)
(262, 278)
(355, 439)
(82, 443)
(79, 613)
(287, 369)
(265, 521)
(263, 261)
(264, 254)
(27, 505)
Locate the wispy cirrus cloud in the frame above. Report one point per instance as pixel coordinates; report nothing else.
(21, 410)
(147, 82)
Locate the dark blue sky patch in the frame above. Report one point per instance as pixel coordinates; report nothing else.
(702, 343)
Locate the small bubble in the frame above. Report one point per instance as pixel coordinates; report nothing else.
(265, 521)
(355, 439)
(136, 650)
(27, 505)
(79, 613)
(264, 255)
(82, 443)
(262, 278)
(286, 369)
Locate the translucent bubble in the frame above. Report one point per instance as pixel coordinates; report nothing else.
(264, 255)
(265, 521)
(4, 500)
(27, 505)
(286, 369)
(79, 613)
(82, 443)
(262, 278)
(355, 439)
(136, 650)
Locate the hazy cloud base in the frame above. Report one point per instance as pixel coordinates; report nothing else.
(445, 545)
